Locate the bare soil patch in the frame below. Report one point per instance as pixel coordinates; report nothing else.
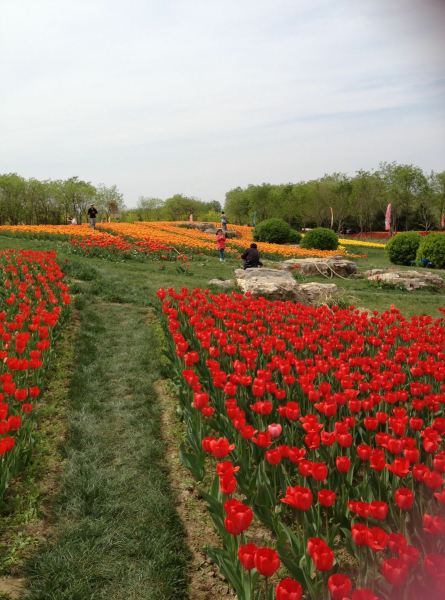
(12, 587)
(206, 581)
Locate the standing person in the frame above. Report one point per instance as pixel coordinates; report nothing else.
(92, 214)
(221, 244)
(251, 257)
(224, 221)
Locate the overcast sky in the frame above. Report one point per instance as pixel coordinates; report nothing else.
(200, 96)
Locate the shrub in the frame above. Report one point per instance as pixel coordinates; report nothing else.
(432, 249)
(294, 237)
(274, 231)
(320, 238)
(402, 248)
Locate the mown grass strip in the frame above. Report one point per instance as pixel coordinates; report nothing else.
(117, 534)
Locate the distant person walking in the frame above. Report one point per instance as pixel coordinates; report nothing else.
(221, 244)
(92, 214)
(224, 221)
(251, 257)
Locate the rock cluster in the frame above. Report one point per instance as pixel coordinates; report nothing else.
(276, 284)
(409, 280)
(331, 267)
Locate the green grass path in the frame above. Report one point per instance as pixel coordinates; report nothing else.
(118, 536)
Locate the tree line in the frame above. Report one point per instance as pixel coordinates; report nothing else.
(35, 202)
(175, 208)
(344, 203)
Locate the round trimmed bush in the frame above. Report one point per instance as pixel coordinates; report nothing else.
(432, 249)
(320, 238)
(294, 237)
(274, 231)
(402, 248)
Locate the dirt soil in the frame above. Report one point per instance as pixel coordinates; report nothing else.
(206, 581)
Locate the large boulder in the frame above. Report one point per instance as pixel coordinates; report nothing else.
(409, 280)
(331, 267)
(317, 293)
(276, 284)
(273, 284)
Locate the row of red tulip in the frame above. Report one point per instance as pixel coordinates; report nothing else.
(108, 246)
(32, 300)
(327, 427)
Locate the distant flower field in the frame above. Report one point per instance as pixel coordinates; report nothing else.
(162, 239)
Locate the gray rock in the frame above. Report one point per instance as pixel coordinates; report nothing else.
(409, 279)
(331, 267)
(273, 284)
(318, 293)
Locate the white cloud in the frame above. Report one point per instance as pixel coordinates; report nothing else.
(199, 96)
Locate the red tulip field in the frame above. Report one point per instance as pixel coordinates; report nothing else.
(317, 435)
(33, 303)
(160, 439)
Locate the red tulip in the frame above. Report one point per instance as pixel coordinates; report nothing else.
(359, 534)
(326, 497)
(238, 519)
(266, 561)
(339, 586)
(323, 558)
(343, 464)
(246, 555)
(298, 497)
(377, 539)
(288, 589)
(227, 484)
(404, 498)
(395, 571)
(378, 510)
(319, 471)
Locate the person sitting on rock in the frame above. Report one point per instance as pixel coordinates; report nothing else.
(251, 257)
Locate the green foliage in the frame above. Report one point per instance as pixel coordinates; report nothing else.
(294, 236)
(432, 249)
(344, 203)
(175, 208)
(321, 239)
(275, 231)
(402, 248)
(37, 202)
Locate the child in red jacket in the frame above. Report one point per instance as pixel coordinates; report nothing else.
(221, 243)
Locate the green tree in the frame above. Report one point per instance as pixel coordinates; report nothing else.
(406, 185)
(109, 201)
(12, 192)
(367, 198)
(77, 195)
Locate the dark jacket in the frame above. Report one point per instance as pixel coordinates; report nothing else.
(251, 258)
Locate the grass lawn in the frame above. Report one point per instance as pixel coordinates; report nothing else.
(137, 282)
(114, 530)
